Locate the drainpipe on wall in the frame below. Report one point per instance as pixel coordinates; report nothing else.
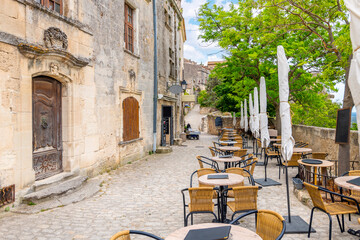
(155, 75)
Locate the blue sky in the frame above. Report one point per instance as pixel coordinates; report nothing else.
(201, 52)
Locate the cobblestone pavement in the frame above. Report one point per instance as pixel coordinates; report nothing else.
(145, 195)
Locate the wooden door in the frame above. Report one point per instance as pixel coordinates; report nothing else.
(47, 141)
(131, 119)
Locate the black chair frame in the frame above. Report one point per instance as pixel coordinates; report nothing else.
(342, 224)
(213, 164)
(145, 234)
(255, 212)
(186, 216)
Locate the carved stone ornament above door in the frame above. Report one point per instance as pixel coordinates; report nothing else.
(55, 38)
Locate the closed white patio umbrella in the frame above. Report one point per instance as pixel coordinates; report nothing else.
(251, 110)
(245, 117)
(264, 131)
(234, 120)
(294, 224)
(256, 113)
(242, 116)
(354, 74)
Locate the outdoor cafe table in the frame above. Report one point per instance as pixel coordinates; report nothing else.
(229, 149)
(275, 139)
(342, 182)
(323, 167)
(236, 232)
(222, 184)
(226, 160)
(228, 142)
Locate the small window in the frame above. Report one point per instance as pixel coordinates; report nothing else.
(130, 119)
(54, 5)
(168, 19)
(172, 63)
(129, 28)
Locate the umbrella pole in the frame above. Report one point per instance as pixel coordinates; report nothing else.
(287, 192)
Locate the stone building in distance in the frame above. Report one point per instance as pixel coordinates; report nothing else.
(77, 81)
(196, 76)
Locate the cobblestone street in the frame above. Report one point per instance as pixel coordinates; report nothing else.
(145, 195)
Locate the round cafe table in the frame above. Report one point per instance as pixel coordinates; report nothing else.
(236, 232)
(342, 182)
(323, 167)
(275, 140)
(302, 150)
(228, 142)
(227, 161)
(228, 149)
(222, 184)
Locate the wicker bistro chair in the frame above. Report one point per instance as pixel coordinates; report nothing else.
(215, 152)
(241, 171)
(208, 162)
(200, 202)
(293, 162)
(319, 155)
(334, 208)
(269, 224)
(125, 235)
(200, 172)
(245, 199)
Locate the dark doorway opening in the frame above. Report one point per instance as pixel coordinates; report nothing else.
(167, 126)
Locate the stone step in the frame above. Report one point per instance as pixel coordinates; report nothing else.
(52, 181)
(165, 149)
(88, 189)
(55, 190)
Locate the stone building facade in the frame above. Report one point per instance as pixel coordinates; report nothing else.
(196, 76)
(76, 84)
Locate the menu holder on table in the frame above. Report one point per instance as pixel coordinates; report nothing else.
(355, 181)
(218, 176)
(226, 156)
(216, 233)
(312, 161)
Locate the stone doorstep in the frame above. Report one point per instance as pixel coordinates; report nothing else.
(88, 189)
(61, 188)
(165, 149)
(51, 181)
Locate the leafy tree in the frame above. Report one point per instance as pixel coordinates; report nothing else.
(315, 36)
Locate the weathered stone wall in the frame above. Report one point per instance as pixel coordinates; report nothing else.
(92, 97)
(323, 140)
(227, 123)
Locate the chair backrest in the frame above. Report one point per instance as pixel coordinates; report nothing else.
(354, 173)
(315, 195)
(270, 225)
(294, 160)
(212, 151)
(125, 235)
(239, 171)
(258, 142)
(252, 166)
(201, 164)
(201, 199)
(238, 144)
(245, 198)
(319, 155)
(240, 153)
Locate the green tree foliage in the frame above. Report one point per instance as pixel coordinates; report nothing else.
(315, 36)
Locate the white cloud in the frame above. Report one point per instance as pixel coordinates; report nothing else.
(192, 53)
(191, 8)
(339, 95)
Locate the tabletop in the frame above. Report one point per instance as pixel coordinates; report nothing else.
(236, 232)
(275, 139)
(232, 180)
(324, 163)
(302, 150)
(229, 159)
(227, 142)
(342, 182)
(277, 144)
(229, 148)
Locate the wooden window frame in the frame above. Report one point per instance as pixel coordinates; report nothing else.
(50, 4)
(129, 28)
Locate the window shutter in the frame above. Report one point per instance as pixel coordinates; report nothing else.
(130, 119)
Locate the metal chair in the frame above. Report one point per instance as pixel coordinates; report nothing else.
(200, 202)
(334, 208)
(125, 235)
(269, 224)
(319, 155)
(293, 162)
(245, 199)
(207, 161)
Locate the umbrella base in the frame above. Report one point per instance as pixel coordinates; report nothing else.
(260, 164)
(267, 183)
(297, 225)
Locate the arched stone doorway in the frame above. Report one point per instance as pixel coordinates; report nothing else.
(47, 127)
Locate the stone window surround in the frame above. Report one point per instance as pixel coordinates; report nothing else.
(83, 27)
(135, 8)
